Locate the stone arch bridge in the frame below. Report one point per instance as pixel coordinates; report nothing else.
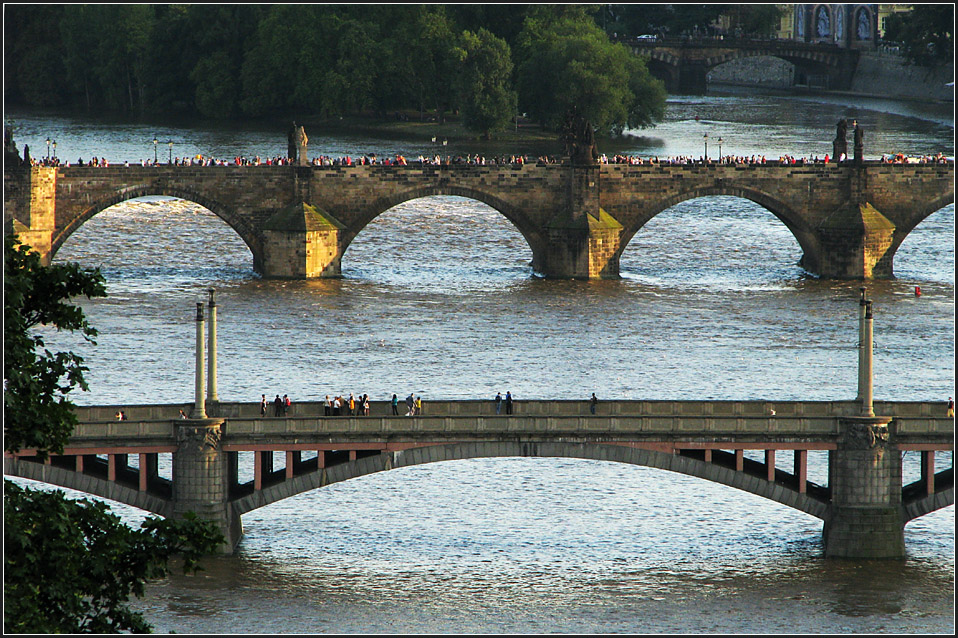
(863, 503)
(298, 221)
(684, 64)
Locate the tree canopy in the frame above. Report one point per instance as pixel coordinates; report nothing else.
(326, 61)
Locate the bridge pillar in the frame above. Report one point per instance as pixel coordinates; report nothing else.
(200, 478)
(865, 519)
(301, 242)
(29, 207)
(855, 242)
(583, 239)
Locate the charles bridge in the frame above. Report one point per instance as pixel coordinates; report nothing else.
(684, 63)
(849, 218)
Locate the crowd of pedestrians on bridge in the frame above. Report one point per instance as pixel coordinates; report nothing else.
(499, 160)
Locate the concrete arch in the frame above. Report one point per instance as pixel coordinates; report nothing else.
(590, 451)
(102, 488)
(928, 504)
(526, 228)
(225, 213)
(781, 210)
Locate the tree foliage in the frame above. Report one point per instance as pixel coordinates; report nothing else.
(307, 60)
(568, 61)
(37, 382)
(72, 566)
(926, 33)
(484, 81)
(69, 566)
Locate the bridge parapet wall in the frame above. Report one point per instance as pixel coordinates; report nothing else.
(170, 411)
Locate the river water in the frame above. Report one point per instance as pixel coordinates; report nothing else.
(438, 298)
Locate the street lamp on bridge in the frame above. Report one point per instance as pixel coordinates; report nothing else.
(48, 148)
(155, 142)
(54, 149)
(706, 147)
(171, 151)
(720, 149)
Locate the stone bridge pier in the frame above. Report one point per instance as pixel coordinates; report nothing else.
(200, 476)
(865, 476)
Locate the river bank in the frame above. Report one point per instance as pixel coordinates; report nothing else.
(879, 75)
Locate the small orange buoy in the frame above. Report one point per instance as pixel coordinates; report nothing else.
(918, 291)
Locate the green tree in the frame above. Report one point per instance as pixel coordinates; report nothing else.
(484, 82)
(69, 566)
(37, 382)
(926, 33)
(568, 61)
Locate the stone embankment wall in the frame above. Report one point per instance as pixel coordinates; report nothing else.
(879, 74)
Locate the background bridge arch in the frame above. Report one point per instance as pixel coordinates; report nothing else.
(234, 220)
(779, 209)
(527, 228)
(585, 451)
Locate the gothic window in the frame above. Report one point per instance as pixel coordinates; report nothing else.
(840, 25)
(823, 23)
(800, 22)
(864, 25)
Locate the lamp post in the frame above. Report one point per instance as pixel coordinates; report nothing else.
(155, 142)
(720, 149)
(706, 147)
(54, 149)
(48, 148)
(171, 151)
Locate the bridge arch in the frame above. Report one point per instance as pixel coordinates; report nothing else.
(588, 451)
(234, 220)
(526, 227)
(781, 210)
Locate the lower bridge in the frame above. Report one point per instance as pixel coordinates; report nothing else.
(160, 462)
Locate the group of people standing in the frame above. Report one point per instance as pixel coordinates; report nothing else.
(280, 406)
(342, 406)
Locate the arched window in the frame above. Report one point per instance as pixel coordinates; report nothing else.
(863, 24)
(800, 22)
(823, 22)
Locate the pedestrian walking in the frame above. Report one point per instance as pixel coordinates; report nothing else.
(286, 404)
(262, 406)
(410, 404)
(951, 407)
(277, 406)
(592, 403)
(395, 405)
(419, 405)
(508, 402)
(498, 402)
(327, 406)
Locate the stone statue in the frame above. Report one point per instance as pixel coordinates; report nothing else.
(11, 155)
(859, 144)
(292, 147)
(296, 144)
(840, 144)
(579, 139)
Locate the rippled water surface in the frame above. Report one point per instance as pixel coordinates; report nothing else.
(438, 298)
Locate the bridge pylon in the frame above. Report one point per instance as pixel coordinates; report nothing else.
(200, 478)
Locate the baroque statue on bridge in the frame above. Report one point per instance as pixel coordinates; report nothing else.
(296, 141)
(840, 143)
(579, 139)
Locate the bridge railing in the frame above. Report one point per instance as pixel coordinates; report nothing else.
(651, 408)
